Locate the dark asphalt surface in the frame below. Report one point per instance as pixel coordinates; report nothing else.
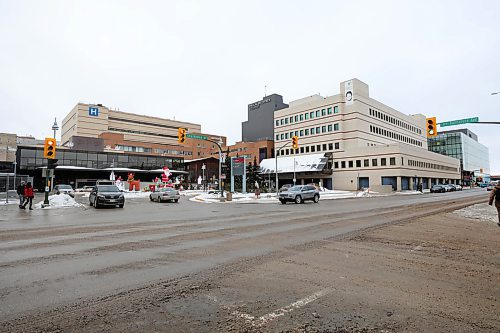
(51, 258)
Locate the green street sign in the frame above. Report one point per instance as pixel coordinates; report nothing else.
(197, 136)
(459, 122)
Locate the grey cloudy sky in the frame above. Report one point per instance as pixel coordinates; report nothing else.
(204, 61)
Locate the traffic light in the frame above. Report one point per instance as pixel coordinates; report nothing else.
(49, 148)
(431, 127)
(181, 135)
(295, 142)
(52, 163)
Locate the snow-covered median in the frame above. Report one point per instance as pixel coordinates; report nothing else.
(59, 201)
(482, 212)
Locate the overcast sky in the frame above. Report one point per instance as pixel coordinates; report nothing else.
(204, 61)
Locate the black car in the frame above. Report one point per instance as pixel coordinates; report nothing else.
(106, 195)
(438, 189)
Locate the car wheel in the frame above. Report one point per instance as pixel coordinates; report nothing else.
(120, 206)
(150, 197)
(176, 200)
(316, 198)
(298, 199)
(283, 202)
(96, 205)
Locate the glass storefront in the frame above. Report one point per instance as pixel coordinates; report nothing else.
(31, 158)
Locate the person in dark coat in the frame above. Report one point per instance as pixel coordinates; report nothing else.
(29, 195)
(20, 193)
(495, 196)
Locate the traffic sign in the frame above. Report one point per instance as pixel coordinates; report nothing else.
(459, 122)
(197, 136)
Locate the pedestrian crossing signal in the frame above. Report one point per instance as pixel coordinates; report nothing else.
(181, 135)
(295, 142)
(431, 127)
(49, 148)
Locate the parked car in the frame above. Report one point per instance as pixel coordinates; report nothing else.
(457, 187)
(438, 189)
(448, 187)
(299, 194)
(491, 186)
(483, 185)
(106, 195)
(65, 189)
(165, 194)
(85, 189)
(285, 187)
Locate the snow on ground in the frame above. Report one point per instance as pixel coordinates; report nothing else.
(59, 201)
(12, 201)
(135, 194)
(482, 212)
(271, 197)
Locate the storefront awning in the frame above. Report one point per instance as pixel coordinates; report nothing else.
(303, 163)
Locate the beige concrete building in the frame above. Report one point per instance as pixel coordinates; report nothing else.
(129, 132)
(368, 144)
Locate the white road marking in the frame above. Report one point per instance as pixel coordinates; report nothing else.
(262, 320)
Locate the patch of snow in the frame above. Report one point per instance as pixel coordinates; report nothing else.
(12, 201)
(59, 201)
(135, 194)
(482, 212)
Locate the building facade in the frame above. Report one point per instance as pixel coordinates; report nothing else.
(251, 151)
(463, 145)
(122, 131)
(82, 167)
(259, 126)
(382, 147)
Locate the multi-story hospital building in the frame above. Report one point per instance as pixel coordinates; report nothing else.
(350, 141)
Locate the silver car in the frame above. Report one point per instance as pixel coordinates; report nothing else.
(299, 194)
(64, 189)
(165, 194)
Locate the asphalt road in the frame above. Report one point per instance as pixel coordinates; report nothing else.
(76, 257)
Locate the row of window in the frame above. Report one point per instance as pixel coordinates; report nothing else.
(173, 152)
(420, 164)
(394, 135)
(309, 131)
(394, 121)
(307, 116)
(311, 149)
(122, 130)
(133, 148)
(365, 163)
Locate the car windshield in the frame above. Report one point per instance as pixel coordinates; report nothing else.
(65, 187)
(107, 188)
(295, 188)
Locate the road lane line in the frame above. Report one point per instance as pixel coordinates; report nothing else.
(262, 320)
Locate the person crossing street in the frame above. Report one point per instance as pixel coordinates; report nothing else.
(28, 196)
(20, 193)
(495, 197)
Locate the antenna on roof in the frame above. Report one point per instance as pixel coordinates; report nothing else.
(265, 90)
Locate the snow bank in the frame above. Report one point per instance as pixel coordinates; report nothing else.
(135, 194)
(59, 201)
(482, 212)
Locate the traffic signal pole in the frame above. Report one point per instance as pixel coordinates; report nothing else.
(276, 166)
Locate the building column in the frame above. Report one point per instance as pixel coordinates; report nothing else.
(429, 182)
(398, 183)
(302, 181)
(412, 179)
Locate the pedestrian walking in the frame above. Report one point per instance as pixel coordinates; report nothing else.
(20, 193)
(28, 196)
(495, 196)
(257, 190)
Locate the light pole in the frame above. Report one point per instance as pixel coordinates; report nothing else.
(203, 167)
(294, 179)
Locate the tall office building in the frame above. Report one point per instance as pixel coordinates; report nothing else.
(259, 126)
